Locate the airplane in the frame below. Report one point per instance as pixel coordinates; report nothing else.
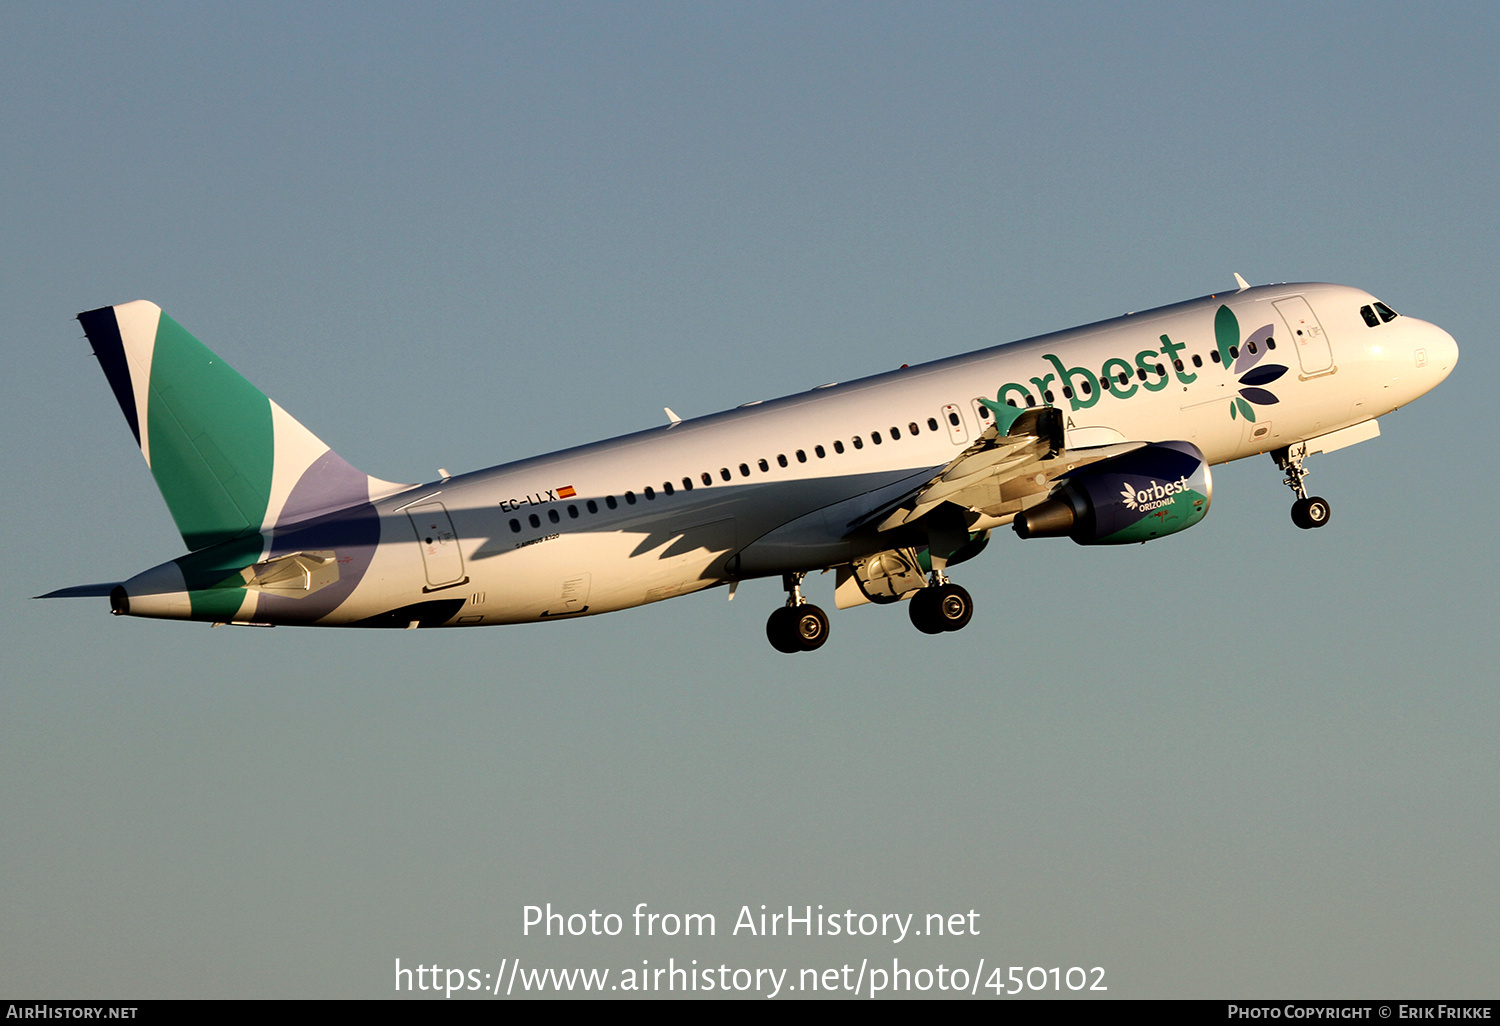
(1104, 434)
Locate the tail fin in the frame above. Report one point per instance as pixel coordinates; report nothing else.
(228, 460)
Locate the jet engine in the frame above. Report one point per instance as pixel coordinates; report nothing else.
(1145, 493)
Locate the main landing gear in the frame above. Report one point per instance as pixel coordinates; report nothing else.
(941, 606)
(798, 626)
(1307, 513)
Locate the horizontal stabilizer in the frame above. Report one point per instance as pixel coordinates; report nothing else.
(83, 591)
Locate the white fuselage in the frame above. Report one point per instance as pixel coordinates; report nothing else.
(772, 487)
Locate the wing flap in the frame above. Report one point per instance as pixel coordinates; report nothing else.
(977, 477)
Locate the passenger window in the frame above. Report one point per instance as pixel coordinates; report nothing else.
(1197, 360)
(764, 467)
(1270, 342)
(1369, 316)
(650, 492)
(609, 500)
(1067, 392)
(572, 511)
(1214, 356)
(515, 526)
(953, 419)
(552, 516)
(931, 423)
(875, 437)
(1161, 370)
(781, 460)
(912, 427)
(593, 506)
(630, 498)
(666, 487)
(1234, 352)
(838, 447)
(1140, 372)
(707, 479)
(801, 456)
(819, 450)
(858, 442)
(687, 484)
(534, 520)
(895, 434)
(744, 470)
(1030, 401)
(1047, 395)
(724, 473)
(1178, 363)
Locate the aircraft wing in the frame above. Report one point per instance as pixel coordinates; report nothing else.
(976, 478)
(998, 473)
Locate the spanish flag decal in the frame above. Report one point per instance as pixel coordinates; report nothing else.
(566, 492)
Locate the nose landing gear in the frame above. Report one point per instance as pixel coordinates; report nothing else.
(1310, 513)
(1307, 512)
(798, 626)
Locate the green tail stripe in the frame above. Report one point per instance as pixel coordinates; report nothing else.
(212, 440)
(212, 578)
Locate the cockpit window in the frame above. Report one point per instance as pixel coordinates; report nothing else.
(1369, 315)
(1386, 313)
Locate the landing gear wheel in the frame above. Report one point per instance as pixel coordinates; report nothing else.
(797, 628)
(946, 607)
(955, 607)
(811, 626)
(1310, 513)
(924, 612)
(781, 631)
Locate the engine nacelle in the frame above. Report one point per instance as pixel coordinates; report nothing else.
(1146, 493)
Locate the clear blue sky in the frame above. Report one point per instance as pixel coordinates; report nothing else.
(1247, 760)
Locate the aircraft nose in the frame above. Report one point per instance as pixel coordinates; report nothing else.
(1445, 351)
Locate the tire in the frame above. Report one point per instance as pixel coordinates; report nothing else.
(781, 631)
(801, 628)
(954, 607)
(1312, 512)
(924, 612)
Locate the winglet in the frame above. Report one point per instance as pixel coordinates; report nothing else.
(1242, 282)
(1006, 416)
(672, 417)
